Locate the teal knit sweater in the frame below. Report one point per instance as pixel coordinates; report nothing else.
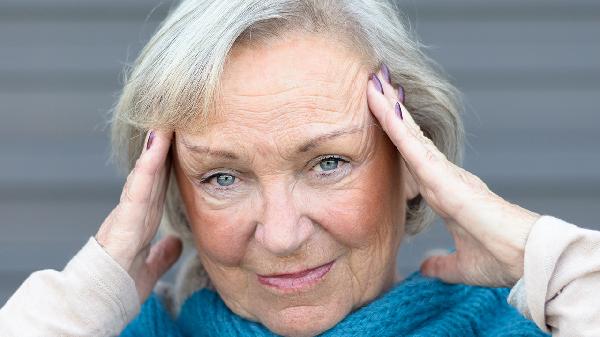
(418, 306)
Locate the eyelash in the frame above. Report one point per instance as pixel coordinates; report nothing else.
(212, 175)
(336, 171)
(324, 175)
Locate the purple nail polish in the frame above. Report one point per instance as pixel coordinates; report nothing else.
(398, 110)
(377, 82)
(150, 139)
(386, 73)
(400, 93)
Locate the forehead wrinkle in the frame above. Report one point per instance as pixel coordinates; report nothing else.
(298, 114)
(330, 89)
(302, 85)
(295, 103)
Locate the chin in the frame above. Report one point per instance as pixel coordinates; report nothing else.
(304, 321)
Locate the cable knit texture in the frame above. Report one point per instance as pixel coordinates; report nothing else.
(418, 306)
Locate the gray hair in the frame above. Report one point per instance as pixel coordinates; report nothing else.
(174, 80)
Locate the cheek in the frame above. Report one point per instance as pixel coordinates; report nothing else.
(223, 234)
(364, 209)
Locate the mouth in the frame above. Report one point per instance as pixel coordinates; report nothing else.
(296, 281)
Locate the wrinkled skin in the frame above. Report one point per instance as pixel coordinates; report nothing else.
(283, 212)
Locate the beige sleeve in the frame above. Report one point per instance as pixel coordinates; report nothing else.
(559, 288)
(92, 296)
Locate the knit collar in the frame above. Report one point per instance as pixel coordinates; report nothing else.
(417, 306)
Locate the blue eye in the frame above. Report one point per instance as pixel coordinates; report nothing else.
(330, 168)
(329, 164)
(220, 184)
(225, 179)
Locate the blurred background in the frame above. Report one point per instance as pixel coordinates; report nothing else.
(529, 70)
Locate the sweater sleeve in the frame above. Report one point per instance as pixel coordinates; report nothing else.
(91, 296)
(561, 275)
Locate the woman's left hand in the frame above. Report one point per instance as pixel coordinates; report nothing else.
(489, 232)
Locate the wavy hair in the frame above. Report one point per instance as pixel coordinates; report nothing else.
(174, 80)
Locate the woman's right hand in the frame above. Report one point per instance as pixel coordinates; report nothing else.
(127, 232)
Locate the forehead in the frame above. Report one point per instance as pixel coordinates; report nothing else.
(286, 87)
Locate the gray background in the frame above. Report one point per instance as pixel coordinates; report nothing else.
(529, 72)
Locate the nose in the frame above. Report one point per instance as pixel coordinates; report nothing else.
(282, 228)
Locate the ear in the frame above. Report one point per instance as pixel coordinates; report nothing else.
(411, 188)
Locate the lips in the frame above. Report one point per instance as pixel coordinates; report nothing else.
(298, 280)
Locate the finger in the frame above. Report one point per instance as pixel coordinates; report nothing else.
(435, 252)
(444, 267)
(153, 155)
(390, 92)
(137, 194)
(420, 154)
(158, 194)
(162, 256)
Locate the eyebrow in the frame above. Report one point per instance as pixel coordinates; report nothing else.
(205, 150)
(325, 137)
(305, 147)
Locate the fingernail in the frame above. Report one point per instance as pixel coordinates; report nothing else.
(435, 252)
(400, 93)
(386, 73)
(150, 139)
(398, 110)
(377, 82)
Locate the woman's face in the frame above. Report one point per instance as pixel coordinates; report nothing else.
(294, 175)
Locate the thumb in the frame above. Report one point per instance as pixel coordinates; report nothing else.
(162, 256)
(444, 267)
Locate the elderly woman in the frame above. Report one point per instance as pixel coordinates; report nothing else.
(295, 145)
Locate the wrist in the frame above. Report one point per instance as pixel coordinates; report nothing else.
(119, 252)
(522, 221)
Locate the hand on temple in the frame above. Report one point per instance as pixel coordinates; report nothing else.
(127, 232)
(489, 232)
